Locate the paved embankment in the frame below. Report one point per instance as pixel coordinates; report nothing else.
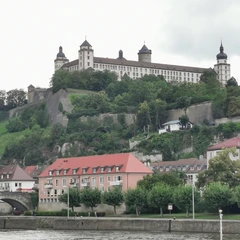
(129, 224)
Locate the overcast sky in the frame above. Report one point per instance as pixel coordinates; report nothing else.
(186, 32)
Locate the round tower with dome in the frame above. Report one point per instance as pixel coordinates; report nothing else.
(60, 59)
(222, 68)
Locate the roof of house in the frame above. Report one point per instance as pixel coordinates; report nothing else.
(172, 122)
(191, 165)
(14, 173)
(85, 44)
(35, 171)
(126, 162)
(229, 143)
(131, 63)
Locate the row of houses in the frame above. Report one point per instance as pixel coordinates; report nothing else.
(103, 172)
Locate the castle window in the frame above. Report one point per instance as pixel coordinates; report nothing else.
(88, 52)
(88, 63)
(88, 57)
(145, 69)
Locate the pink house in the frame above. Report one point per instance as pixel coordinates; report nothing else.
(102, 172)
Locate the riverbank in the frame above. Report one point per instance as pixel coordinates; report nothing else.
(126, 224)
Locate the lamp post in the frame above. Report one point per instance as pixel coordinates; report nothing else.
(68, 203)
(193, 199)
(220, 217)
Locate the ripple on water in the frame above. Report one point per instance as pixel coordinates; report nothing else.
(105, 235)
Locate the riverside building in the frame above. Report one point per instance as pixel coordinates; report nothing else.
(137, 69)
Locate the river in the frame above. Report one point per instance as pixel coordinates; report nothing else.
(106, 235)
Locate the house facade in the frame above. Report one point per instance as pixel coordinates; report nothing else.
(174, 125)
(191, 166)
(144, 66)
(102, 172)
(13, 178)
(229, 143)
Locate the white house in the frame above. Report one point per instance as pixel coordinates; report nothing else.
(191, 166)
(174, 125)
(229, 143)
(13, 179)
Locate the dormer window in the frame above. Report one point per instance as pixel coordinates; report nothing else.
(161, 169)
(109, 169)
(102, 169)
(117, 169)
(64, 172)
(167, 169)
(74, 171)
(1, 176)
(192, 167)
(57, 172)
(50, 173)
(7, 175)
(84, 170)
(94, 170)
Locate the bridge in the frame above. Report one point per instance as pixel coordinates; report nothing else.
(18, 200)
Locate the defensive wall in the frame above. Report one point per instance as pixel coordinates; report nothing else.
(126, 224)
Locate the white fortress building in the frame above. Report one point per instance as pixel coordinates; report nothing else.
(144, 65)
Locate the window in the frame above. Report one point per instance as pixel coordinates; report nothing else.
(57, 172)
(1, 176)
(64, 182)
(50, 173)
(56, 182)
(101, 180)
(109, 169)
(94, 170)
(7, 175)
(117, 169)
(108, 178)
(74, 171)
(88, 57)
(88, 64)
(93, 181)
(84, 170)
(102, 169)
(117, 178)
(16, 184)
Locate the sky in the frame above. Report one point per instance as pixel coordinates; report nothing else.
(186, 32)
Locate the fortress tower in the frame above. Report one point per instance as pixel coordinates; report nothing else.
(60, 60)
(85, 55)
(144, 54)
(222, 68)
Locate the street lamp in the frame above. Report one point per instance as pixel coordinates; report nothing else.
(68, 202)
(193, 199)
(220, 216)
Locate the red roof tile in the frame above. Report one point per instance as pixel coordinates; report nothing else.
(229, 143)
(126, 162)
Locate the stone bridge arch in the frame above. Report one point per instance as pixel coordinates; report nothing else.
(21, 201)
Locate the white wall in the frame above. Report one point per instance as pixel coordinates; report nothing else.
(14, 185)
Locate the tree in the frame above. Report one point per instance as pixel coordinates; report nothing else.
(218, 195)
(182, 198)
(15, 125)
(149, 181)
(91, 197)
(160, 196)
(184, 120)
(136, 197)
(16, 98)
(74, 198)
(232, 82)
(143, 115)
(113, 198)
(2, 97)
(221, 169)
(34, 199)
(237, 195)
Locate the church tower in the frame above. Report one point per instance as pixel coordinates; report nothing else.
(222, 68)
(85, 55)
(144, 54)
(60, 60)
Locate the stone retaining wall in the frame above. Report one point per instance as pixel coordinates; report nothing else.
(127, 224)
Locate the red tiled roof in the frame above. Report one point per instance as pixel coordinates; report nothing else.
(30, 169)
(229, 143)
(126, 161)
(35, 171)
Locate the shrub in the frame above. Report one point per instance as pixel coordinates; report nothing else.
(27, 213)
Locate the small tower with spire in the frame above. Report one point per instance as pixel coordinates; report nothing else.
(60, 59)
(222, 68)
(85, 55)
(145, 54)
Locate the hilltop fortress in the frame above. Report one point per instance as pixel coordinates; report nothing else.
(144, 65)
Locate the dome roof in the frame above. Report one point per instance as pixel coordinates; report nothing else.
(60, 53)
(221, 55)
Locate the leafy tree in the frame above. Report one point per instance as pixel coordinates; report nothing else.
(218, 195)
(236, 193)
(15, 125)
(136, 197)
(113, 198)
(160, 196)
(59, 80)
(143, 115)
(232, 82)
(221, 169)
(184, 120)
(15, 98)
(182, 198)
(233, 106)
(34, 199)
(74, 198)
(91, 197)
(2, 97)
